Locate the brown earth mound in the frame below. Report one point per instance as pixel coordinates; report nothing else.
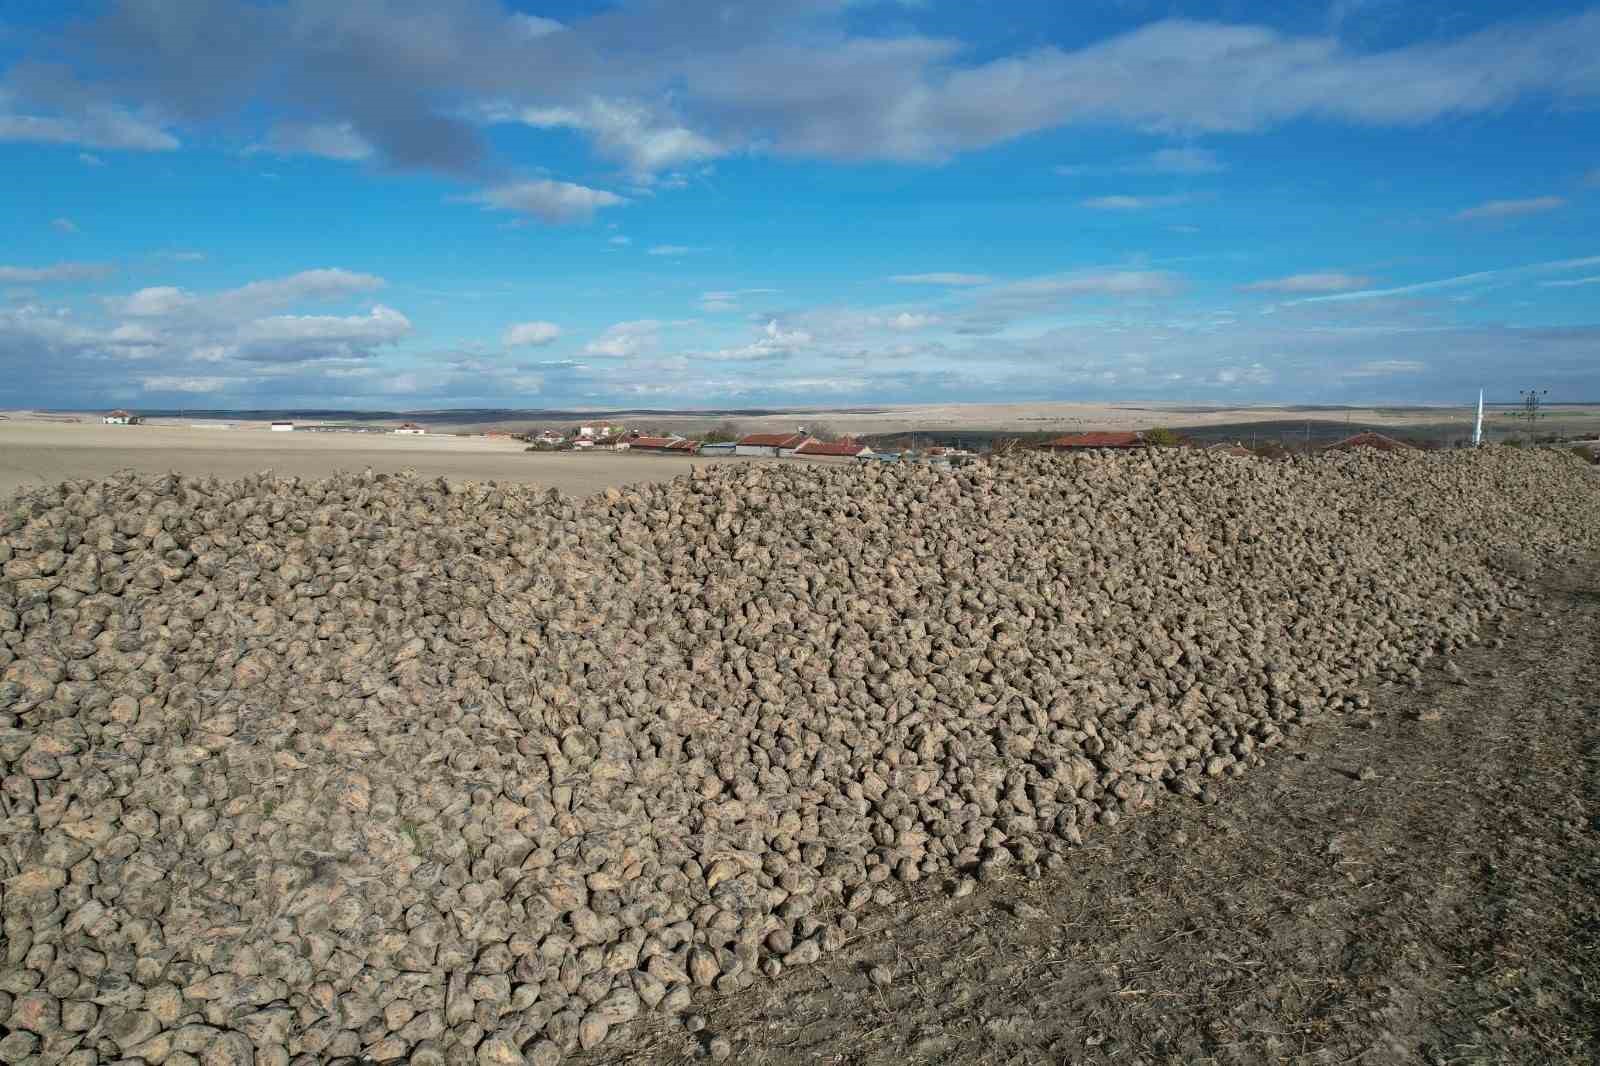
(375, 767)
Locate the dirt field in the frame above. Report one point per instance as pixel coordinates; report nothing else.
(33, 453)
(1418, 883)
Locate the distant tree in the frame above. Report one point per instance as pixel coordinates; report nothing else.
(722, 433)
(822, 431)
(1162, 437)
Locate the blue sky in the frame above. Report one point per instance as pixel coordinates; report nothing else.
(451, 203)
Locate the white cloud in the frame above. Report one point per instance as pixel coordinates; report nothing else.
(1571, 283)
(654, 84)
(1481, 277)
(676, 250)
(54, 272)
(905, 321)
(65, 225)
(1132, 203)
(774, 342)
(158, 301)
(625, 339)
(625, 131)
(1384, 368)
(101, 128)
(1187, 160)
(1254, 374)
(1303, 283)
(620, 241)
(322, 284)
(1510, 208)
(1102, 283)
(89, 159)
(530, 334)
(301, 338)
(328, 140)
(549, 201)
(942, 278)
(729, 300)
(175, 383)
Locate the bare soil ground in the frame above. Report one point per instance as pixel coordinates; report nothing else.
(38, 453)
(1418, 881)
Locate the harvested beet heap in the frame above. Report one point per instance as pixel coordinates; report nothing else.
(372, 766)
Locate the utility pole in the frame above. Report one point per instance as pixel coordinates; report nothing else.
(1531, 401)
(1477, 429)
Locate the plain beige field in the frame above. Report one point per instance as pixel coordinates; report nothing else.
(41, 453)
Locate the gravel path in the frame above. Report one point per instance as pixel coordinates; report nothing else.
(1446, 910)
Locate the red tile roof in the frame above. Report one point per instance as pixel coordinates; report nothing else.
(838, 447)
(662, 443)
(1370, 440)
(773, 440)
(1096, 440)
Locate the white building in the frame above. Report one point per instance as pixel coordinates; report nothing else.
(117, 418)
(282, 427)
(410, 429)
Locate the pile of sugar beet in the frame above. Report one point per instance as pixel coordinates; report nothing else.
(390, 769)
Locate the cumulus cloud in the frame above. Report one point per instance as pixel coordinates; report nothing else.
(323, 284)
(625, 131)
(549, 201)
(659, 85)
(1510, 208)
(906, 321)
(530, 334)
(1307, 283)
(625, 339)
(773, 342)
(54, 272)
(942, 278)
(303, 338)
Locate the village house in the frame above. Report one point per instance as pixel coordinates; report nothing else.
(117, 418)
(641, 443)
(410, 429)
(839, 449)
(282, 427)
(770, 445)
